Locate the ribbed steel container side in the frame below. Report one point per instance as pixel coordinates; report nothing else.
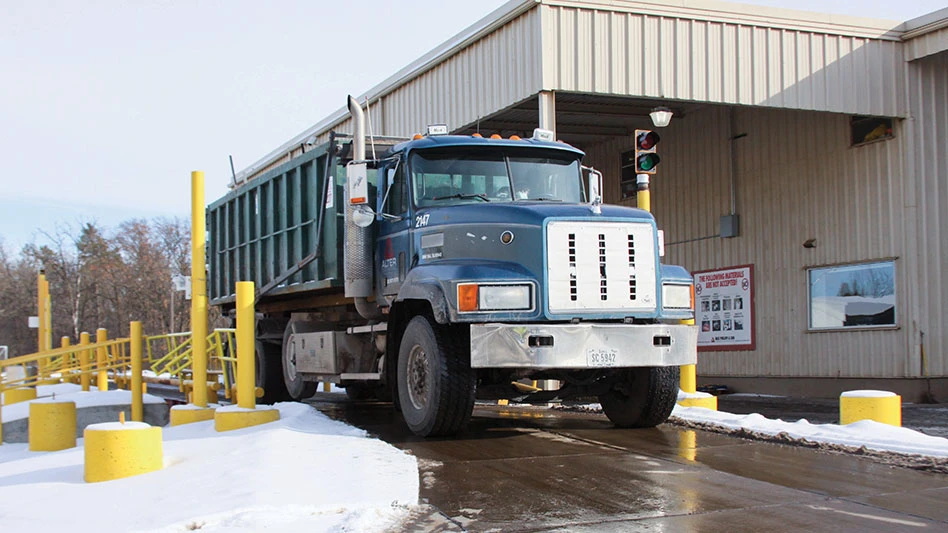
(925, 45)
(673, 57)
(796, 178)
(263, 228)
(928, 86)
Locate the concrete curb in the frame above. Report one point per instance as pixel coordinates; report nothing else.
(156, 414)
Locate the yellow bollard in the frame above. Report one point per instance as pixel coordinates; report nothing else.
(42, 299)
(198, 290)
(689, 380)
(245, 413)
(245, 345)
(25, 394)
(327, 387)
(881, 406)
(85, 362)
(102, 360)
(17, 374)
(52, 425)
(116, 450)
(66, 366)
(135, 332)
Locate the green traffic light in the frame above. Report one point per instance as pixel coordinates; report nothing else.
(647, 162)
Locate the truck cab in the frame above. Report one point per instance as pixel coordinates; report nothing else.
(497, 250)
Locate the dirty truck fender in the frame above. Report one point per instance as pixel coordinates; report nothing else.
(437, 283)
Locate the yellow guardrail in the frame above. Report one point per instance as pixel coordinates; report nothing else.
(171, 355)
(68, 364)
(95, 363)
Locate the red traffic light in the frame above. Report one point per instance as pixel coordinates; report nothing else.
(646, 140)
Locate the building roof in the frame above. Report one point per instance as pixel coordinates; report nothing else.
(710, 11)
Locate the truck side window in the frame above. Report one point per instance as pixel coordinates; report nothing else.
(397, 202)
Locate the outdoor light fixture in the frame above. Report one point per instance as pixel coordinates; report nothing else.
(661, 116)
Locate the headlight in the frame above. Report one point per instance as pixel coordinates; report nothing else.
(678, 296)
(474, 297)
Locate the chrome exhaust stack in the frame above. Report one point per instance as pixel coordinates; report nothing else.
(358, 240)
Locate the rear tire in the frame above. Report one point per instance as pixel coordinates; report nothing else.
(296, 388)
(436, 385)
(269, 374)
(643, 397)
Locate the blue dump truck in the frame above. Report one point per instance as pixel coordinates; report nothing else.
(447, 269)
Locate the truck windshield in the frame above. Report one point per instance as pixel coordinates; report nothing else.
(449, 177)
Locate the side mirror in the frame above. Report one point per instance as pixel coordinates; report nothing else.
(595, 185)
(362, 216)
(595, 189)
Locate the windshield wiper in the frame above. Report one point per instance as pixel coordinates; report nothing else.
(541, 199)
(462, 196)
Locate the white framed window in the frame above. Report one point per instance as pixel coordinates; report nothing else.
(852, 296)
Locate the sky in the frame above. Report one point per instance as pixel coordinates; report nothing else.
(107, 106)
(354, 482)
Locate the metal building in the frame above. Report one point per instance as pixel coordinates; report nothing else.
(808, 150)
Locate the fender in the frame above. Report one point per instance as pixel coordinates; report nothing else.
(675, 274)
(427, 288)
(435, 283)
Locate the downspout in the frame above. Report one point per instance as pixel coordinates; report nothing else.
(358, 245)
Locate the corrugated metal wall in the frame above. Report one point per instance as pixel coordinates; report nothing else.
(928, 203)
(492, 73)
(614, 52)
(928, 44)
(796, 178)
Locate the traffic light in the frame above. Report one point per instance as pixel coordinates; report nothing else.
(645, 157)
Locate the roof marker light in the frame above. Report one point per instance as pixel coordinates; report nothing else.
(417, 136)
(478, 135)
(515, 138)
(496, 136)
(437, 129)
(541, 134)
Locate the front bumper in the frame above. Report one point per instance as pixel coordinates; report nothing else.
(582, 345)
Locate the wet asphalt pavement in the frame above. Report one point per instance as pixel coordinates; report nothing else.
(538, 469)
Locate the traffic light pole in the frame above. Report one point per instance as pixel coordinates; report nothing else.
(642, 195)
(689, 379)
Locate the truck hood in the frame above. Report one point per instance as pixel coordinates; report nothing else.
(525, 212)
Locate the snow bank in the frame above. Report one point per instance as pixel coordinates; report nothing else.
(873, 435)
(304, 472)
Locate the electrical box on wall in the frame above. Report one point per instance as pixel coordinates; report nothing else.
(730, 226)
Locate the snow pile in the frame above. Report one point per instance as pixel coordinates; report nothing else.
(865, 433)
(304, 472)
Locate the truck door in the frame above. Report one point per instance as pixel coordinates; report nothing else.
(394, 242)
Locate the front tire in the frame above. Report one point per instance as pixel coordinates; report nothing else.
(642, 398)
(436, 385)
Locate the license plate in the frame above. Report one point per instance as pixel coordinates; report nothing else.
(600, 357)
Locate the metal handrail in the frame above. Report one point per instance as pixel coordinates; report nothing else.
(70, 363)
(59, 363)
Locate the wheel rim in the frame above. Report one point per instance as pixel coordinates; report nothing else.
(290, 363)
(418, 377)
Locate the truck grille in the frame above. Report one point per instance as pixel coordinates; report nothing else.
(596, 267)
